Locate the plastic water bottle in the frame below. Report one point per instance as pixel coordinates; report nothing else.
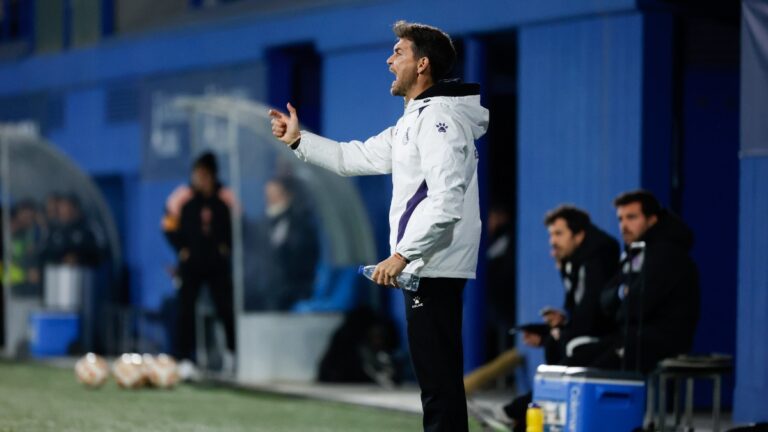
(406, 281)
(534, 418)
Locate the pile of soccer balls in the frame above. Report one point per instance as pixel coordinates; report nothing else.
(130, 371)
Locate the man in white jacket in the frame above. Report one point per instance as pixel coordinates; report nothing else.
(434, 216)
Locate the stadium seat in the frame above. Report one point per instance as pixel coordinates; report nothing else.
(336, 289)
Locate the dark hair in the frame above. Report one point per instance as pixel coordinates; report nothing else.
(207, 161)
(429, 42)
(576, 218)
(648, 202)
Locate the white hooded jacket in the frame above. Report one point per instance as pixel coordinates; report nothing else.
(434, 217)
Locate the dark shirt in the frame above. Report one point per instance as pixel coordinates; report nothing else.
(205, 231)
(661, 309)
(584, 275)
(74, 240)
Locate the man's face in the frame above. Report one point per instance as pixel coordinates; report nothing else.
(632, 222)
(67, 211)
(562, 240)
(404, 64)
(275, 194)
(203, 181)
(278, 199)
(24, 218)
(496, 220)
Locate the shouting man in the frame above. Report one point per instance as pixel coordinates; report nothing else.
(434, 214)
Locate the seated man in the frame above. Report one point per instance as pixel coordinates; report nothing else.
(291, 243)
(654, 298)
(587, 257)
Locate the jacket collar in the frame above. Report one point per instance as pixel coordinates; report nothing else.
(450, 88)
(443, 88)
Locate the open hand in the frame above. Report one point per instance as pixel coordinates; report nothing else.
(285, 127)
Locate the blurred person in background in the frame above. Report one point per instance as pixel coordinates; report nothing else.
(434, 214)
(198, 226)
(70, 240)
(51, 215)
(291, 244)
(500, 276)
(26, 245)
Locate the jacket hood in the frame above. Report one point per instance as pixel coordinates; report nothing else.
(670, 229)
(597, 239)
(596, 242)
(463, 98)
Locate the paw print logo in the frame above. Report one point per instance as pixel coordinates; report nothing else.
(441, 127)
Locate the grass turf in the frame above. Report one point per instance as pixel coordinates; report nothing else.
(35, 397)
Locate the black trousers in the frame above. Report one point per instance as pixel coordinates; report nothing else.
(220, 288)
(434, 316)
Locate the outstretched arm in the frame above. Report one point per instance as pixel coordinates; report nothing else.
(374, 156)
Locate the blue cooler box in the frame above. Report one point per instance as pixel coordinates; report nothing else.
(52, 333)
(589, 400)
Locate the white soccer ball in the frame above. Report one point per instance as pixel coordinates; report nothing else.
(161, 370)
(92, 370)
(129, 371)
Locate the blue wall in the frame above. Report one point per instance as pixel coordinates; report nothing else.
(475, 300)
(330, 29)
(751, 371)
(657, 111)
(751, 398)
(86, 137)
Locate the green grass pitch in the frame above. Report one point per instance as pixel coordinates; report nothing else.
(35, 397)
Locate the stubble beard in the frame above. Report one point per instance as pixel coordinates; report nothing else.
(400, 86)
(397, 89)
(629, 237)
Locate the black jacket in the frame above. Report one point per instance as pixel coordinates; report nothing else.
(282, 253)
(662, 305)
(500, 273)
(293, 251)
(585, 274)
(74, 238)
(205, 230)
